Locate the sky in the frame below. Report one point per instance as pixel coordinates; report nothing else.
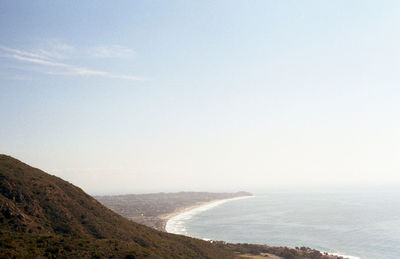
(150, 96)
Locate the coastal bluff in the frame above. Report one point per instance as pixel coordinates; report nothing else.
(43, 216)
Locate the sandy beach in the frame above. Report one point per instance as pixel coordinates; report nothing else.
(172, 222)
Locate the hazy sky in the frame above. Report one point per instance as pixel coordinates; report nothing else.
(140, 96)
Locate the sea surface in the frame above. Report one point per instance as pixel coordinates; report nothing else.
(356, 224)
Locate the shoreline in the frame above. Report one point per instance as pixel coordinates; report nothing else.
(187, 212)
(343, 255)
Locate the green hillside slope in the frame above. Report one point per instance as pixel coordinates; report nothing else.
(44, 216)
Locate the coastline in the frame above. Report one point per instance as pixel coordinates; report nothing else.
(171, 220)
(343, 255)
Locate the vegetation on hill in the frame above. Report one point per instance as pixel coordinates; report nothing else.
(44, 216)
(273, 251)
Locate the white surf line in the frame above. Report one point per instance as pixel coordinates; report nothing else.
(344, 256)
(176, 224)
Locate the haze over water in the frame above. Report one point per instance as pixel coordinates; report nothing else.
(215, 95)
(149, 96)
(360, 223)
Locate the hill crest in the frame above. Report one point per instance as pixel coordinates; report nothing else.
(45, 216)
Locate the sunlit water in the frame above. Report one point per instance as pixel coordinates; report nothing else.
(361, 224)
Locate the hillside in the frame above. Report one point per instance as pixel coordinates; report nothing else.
(44, 216)
(154, 209)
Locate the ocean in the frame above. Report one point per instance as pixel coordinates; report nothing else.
(355, 224)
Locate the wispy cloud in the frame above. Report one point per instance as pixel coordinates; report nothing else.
(22, 52)
(80, 71)
(57, 50)
(51, 59)
(111, 51)
(34, 60)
